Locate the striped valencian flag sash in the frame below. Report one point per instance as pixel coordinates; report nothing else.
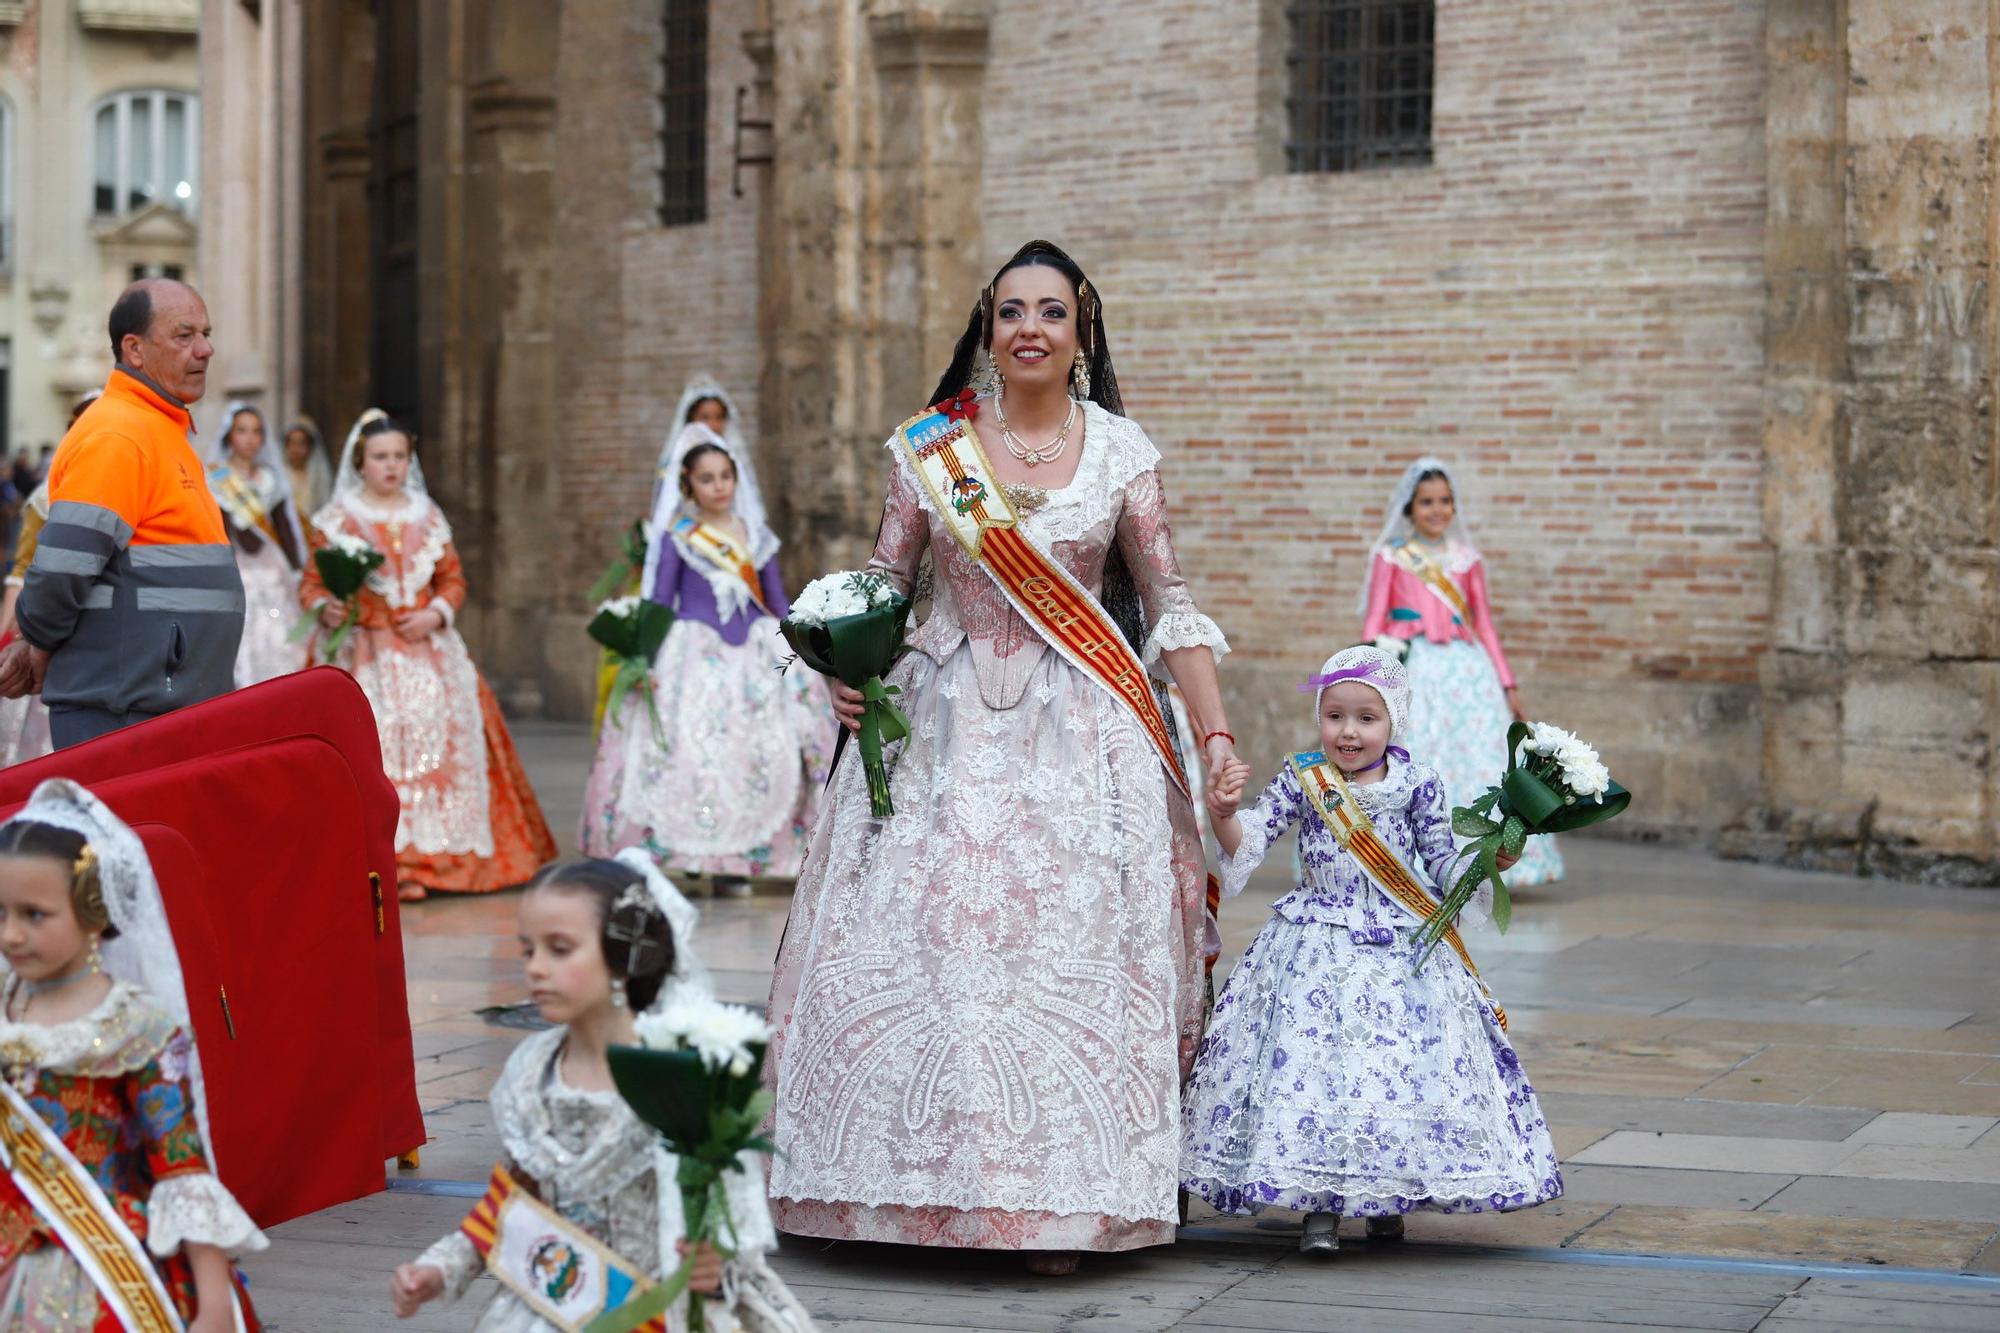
(66, 1197)
(722, 551)
(1427, 567)
(561, 1272)
(947, 458)
(1333, 800)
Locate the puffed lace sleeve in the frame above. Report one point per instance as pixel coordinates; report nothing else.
(1263, 824)
(906, 531)
(187, 1203)
(457, 1260)
(1147, 543)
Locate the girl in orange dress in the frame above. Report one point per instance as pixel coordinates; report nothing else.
(470, 820)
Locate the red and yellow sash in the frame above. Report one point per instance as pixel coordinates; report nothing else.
(67, 1197)
(561, 1272)
(724, 552)
(946, 456)
(246, 504)
(1333, 800)
(1426, 566)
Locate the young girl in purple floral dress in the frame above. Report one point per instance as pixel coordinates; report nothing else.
(1337, 1078)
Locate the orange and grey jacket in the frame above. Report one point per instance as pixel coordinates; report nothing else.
(133, 587)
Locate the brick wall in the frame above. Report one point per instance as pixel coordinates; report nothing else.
(1568, 304)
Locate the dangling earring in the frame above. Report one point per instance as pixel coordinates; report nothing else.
(1079, 375)
(96, 959)
(618, 1000)
(986, 378)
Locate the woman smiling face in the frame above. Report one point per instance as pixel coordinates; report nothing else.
(1034, 336)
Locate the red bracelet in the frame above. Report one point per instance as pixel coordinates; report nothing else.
(1213, 734)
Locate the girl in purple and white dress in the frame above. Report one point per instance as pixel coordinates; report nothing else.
(735, 790)
(1336, 1078)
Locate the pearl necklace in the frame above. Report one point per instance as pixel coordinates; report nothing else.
(1039, 454)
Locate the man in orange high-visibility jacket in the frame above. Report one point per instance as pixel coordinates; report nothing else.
(132, 606)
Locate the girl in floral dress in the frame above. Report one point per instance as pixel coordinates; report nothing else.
(102, 1075)
(603, 941)
(246, 473)
(470, 820)
(735, 789)
(1426, 590)
(1336, 1078)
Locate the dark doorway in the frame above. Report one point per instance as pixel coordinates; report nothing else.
(393, 210)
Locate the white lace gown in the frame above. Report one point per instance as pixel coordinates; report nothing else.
(1334, 1078)
(984, 1004)
(605, 1171)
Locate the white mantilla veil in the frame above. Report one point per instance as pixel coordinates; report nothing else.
(144, 954)
(1396, 527)
(347, 482)
(670, 505)
(270, 458)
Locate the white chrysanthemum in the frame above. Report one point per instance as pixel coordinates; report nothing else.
(843, 593)
(349, 544)
(619, 606)
(722, 1034)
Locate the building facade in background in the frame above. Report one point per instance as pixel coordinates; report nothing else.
(1697, 296)
(100, 182)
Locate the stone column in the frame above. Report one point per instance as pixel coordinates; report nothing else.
(924, 253)
(508, 432)
(335, 297)
(1882, 476)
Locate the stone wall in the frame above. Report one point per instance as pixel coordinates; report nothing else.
(1882, 491)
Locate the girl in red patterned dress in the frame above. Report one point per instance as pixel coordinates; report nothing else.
(111, 1216)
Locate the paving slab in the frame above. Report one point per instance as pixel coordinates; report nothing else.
(1729, 1234)
(1689, 1189)
(1847, 1196)
(1698, 1116)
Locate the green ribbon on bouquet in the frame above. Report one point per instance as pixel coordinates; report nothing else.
(1500, 823)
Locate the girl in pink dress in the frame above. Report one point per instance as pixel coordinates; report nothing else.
(1426, 592)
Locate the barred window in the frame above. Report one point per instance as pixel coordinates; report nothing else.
(1360, 74)
(684, 113)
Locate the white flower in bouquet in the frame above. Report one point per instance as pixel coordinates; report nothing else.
(1395, 647)
(349, 544)
(1546, 738)
(1592, 779)
(721, 1033)
(844, 593)
(619, 606)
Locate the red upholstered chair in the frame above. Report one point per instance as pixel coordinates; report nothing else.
(272, 831)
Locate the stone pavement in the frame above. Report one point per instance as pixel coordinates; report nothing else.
(1777, 1097)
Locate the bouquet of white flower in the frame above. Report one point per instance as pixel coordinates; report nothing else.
(344, 564)
(697, 1079)
(850, 626)
(1554, 783)
(632, 629)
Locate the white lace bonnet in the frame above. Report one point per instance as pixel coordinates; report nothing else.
(1382, 672)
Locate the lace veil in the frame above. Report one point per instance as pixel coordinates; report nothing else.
(669, 505)
(144, 954)
(270, 460)
(347, 481)
(1395, 527)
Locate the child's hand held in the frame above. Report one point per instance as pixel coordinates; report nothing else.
(412, 1285)
(706, 1278)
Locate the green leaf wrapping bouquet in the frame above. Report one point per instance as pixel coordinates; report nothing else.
(632, 629)
(1554, 783)
(344, 564)
(697, 1079)
(625, 567)
(850, 626)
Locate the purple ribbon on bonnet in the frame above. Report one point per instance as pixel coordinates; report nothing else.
(1365, 674)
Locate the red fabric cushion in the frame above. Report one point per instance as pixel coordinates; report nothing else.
(264, 812)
